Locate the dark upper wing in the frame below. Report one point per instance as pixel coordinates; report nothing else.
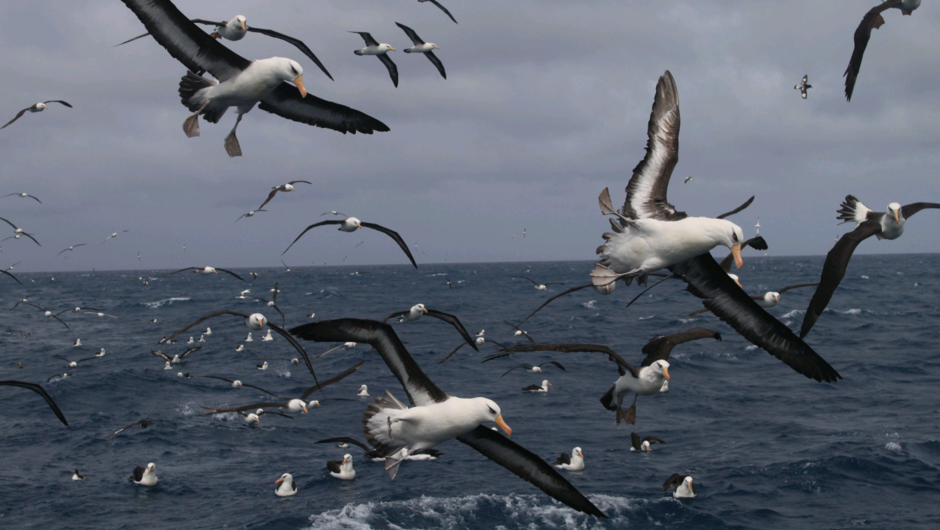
(736, 210)
(346, 439)
(190, 351)
(321, 223)
(420, 389)
(270, 196)
(392, 69)
(635, 441)
(732, 305)
(437, 62)
(366, 37)
(207, 317)
(393, 315)
(646, 192)
(524, 334)
(296, 42)
(653, 440)
(570, 348)
(11, 276)
(394, 235)
(530, 279)
(286, 102)
(529, 467)
(910, 209)
(756, 242)
(563, 293)
(660, 347)
(182, 270)
(58, 101)
(243, 384)
(334, 466)
(674, 480)
(187, 43)
(513, 368)
(31, 237)
(18, 116)
(454, 321)
(797, 286)
(39, 390)
(159, 353)
(411, 33)
(451, 354)
(563, 458)
(444, 9)
(872, 19)
(556, 363)
(230, 272)
(834, 270)
(330, 381)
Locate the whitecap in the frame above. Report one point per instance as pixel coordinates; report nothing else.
(751, 348)
(589, 305)
(850, 312)
(647, 318)
(865, 277)
(893, 446)
(793, 313)
(159, 303)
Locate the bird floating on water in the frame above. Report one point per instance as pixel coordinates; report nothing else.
(572, 462)
(145, 476)
(286, 486)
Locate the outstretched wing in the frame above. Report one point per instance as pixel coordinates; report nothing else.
(660, 347)
(286, 102)
(437, 62)
(454, 321)
(797, 286)
(908, 210)
(270, 196)
(18, 116)
(442, 8)
(346, 439)
(415, 39)
(738, 209)
(11, 276)
(366, 36)
(392, 69)
(296, 42)
(321, 223)
(39, 390)
(529, 467)
(394, 235)
(330, 381)
(622, 365)
(230, 272)
(871, 20)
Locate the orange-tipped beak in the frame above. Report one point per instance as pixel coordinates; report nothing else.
(736, 252)
(549, 384)
(359, 225)
(305, 409)
(243, 27)
(278, 481)
(300, 86)
(424, 309)
(666, 373)
(896, 218)
(436, 47)
(344, 460)
(392, 49)
(777, 297)
(502, 424)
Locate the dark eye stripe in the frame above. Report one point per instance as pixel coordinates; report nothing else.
(491, 409)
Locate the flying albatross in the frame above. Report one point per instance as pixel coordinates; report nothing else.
(651, 226)
(766, 300)
(39, 390)
(237, 28)
(351, 224)
(427, 48)
(286, 188)
(418, 310)
(871, 20)
(241, 83)
(442, 8)
(38, 107)
(238, 384)
(884, 225)
(143, 424)
(375, 455)
(390, 426)
(24, 195)
(207, 270)
(379, 50)
(17, 231)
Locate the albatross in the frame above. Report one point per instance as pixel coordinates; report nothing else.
(683, 484)
(767, 300)
(871, 20)
(24, 195)
(418, 310)
(38, 107)
(379, 50)
(375, 456)
(284, 188)
(143, 424)
(145, 476)
(643, 444)
(17, 231)
(207, 270)
(802, 87)
(539, 286)
(884, 225)
(286, 486)
(442, 8)
(342, 469)
(239, 82)
(351, 224)
(39, 390)
(390, 426)
(427, 48)
(572, 462)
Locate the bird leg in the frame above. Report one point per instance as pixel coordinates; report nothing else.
(629, 415)
(231, 141)
(191, 125)
(215, 35)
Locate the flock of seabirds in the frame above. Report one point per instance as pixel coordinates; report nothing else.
(648, 235)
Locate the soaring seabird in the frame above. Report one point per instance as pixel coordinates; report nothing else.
(113, 235)
(145, 476)
(24, 195)
(427, 48)
(351, 224)
(572, 462)
(285, 188)
(176, 358)
(49, 314)
(683, 484)
(241, 83)
(418, 310)
(538, 388)
(286, 486)
(342, 469)
(884, 225)
(379, 50)
(539, 286)
(38, 107)
(537, 369)
(39, 390)
(638, 444)
(390, 426)
(17, 232)
(375, 455)
(73, 364)
(872, 19)
(143, 424)
(249, 214)
(11, 276)
(442, 8)
(207, 270)
(237, 28)
(802, 87)
(73, 247)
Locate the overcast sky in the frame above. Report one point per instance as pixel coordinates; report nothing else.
(546, 104)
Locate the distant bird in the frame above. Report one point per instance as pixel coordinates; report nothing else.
(176, 358)
(757, 226)
(101, 353)
(38, 107)
(143, 424)
(145, 476)
(449, 285)
(538, 388)
(766, 300)
(539, 286)
(240, 83)
(208, 270)
(49, 314)
(687, 179)
(372, 454)
(268, 337)
(572, 462)
(285, 188)
(683, 484)
(262, 366)
(363, 391)
(418, 310)
(342, 470)
(427, 48)
(74, 364)
(24, 195)
(77, 476)
(442, 8)
(78, 342)
(883, 225)
(238, 384)
(113, 235)
(351, 224)
(249, 214)
(537, 369)
(379, 50)
(638, 444)
(286, 486)
(872, 19)
(17, 231)
(39, 390)
(248, 338)
(56, 377)
(803, 86)
(236, 29)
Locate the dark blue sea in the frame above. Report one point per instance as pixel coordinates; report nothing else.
(767, 448)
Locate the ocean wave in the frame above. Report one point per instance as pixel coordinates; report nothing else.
(590, 304)
(166, 301)
(647, 318)
(894, 446)
(794, 313)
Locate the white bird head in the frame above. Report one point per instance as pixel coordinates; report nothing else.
(894, 210)
(351, 224)
(313, 403)
(286, 478)
(363, 388)
(418, 309)
(662, 367)
(238, 23)
(605, 289)
(384, 48)
(236, 384)
(48, 313)
(489, 411)
(151, 469)
(545, 383)
(256, 321)
(728, 234)
(772, 297)
(288, 187)
(577, 451)
(537, 369)
(688, 483)
(289, 70)
(297, 405)
(349, 345)
(645, 446)
(40, 106)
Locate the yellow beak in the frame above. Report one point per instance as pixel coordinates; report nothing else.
(278, 481)
(777, 297)
(666, 373)
(305, 409)
(359, 225)
(436, 47)
(300, 86)
(549, 384)
(392, 49)
(736, 252)
(502, 424)
(344, 461)
(896, 218)
(424, 309)
(243, 27)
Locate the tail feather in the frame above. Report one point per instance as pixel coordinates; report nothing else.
(193, 88)
(375, 424)
(852, 210)
(609, 400)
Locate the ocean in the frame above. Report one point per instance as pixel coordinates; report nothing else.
(767, 447)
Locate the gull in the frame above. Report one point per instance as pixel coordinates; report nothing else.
(38, 107)
(871, 20)
(24, 195)
(143, 424)
(249, 214)
(39, 390)
(74, 364)
(113, 235)
(803, 86)
(537, 369)
(286, 188)
(427, 48)
(572, 462)
(236, 29)
(176, 358)
(539, 286)
(207, 270)
(17, 231)
(286, 486)
(442, 8)
(240, 83)
(637, 444)
(379, 50)
(418, 310)
(145, 476)
(683, 484)
(351, 224)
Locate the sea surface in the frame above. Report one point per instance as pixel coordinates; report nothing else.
(767, 447)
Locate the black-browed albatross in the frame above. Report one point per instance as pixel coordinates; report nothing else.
(643, 444)
(285, 188)
(375, 455)
(17, 231)
(207, 270)
(418, 310)
(39, 390)
(379, 50)
(871, 20)
(241, 83)
(351, 224)
(442, 8)
(24, 195)
(426, 48)
(390, 426)
(38, 107)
